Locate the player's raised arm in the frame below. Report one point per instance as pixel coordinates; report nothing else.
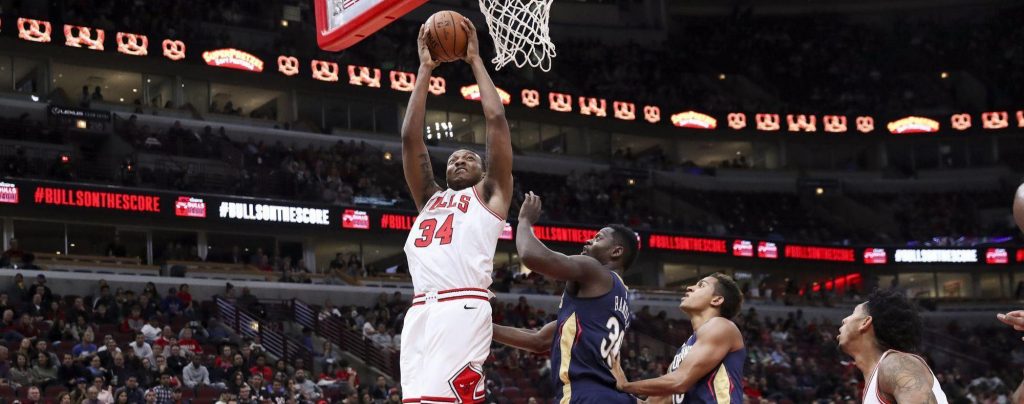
(540, 258)
(419, 173)
(528, 340)
(716, 340)
(498, 178)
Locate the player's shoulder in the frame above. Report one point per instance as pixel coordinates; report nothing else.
(718, 327)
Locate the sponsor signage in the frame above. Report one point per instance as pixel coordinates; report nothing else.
(258, 212)
(355, 219)
(472, 93)
(233, 59)
(8, 193)
(913, 124)
(694, 120)
(819, 253)
(742, 248)
(81, 198)
(679, 243)
(875, 256)
(767, 250)
(506, 233)
(960, 255)
(187, 206)
(997, 256)
(78, 113)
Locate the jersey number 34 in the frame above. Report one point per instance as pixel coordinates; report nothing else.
(431, 232)
(610, 346)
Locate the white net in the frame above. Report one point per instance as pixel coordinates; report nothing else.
(519, 29)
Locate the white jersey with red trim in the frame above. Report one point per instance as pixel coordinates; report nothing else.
(451, 244)
(872, 395)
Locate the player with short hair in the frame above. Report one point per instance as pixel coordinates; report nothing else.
(447, 331)
(708, 368)
(593, 315)
(879, 336)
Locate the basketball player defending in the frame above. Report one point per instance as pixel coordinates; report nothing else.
(593, 315)
(447, 331)
(709, 367)
(878, 335)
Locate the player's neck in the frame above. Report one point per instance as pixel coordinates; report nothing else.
(699, 318)
(866, 357)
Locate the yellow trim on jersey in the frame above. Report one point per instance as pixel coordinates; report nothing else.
(566, 341)
(720, 385)
(620, 280)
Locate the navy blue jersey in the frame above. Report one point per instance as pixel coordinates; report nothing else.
(590, 332)
(722, 386)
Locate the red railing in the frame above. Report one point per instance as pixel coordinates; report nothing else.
(273, 339)
(335, 331)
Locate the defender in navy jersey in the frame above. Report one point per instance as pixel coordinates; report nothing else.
(592, 317)
(708, 368)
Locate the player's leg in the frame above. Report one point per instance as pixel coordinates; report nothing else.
(459, 342)
(411, 354)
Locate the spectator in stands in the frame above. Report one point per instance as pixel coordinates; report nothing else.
(380, 389)
(18, 292)
(41, 346)
(11, 255)
(149, 306)
(96, 368)
(85, 347)
(195, 374)
(262, 368)
(237, 382)
(134, 322)
(131, 388)
(26, 327)
(247, 301)
(309, 390)
(164, 392)
(44, 372)
(171, 305)
(107, 353)
(152, 330)
(116, 248)
(119, 371)
(21, 372)
(186, 298)
(104, 392)
(188, 344)
(104, 316)
(69, 371)
(176, 359)
(238, 365)
(141, 348)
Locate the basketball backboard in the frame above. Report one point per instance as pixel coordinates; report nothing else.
(343, 23)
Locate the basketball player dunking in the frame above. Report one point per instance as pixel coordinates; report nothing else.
(592, 317)
(447, 331)
(878, 335)
(709, 367)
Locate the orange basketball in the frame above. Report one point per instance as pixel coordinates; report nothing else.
(446, 38)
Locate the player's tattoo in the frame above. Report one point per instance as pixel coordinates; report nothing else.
(909, 379)
(429, 187)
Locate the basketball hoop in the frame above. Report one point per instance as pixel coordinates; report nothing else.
(519, 29)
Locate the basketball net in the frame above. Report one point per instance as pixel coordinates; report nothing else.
(519, 29)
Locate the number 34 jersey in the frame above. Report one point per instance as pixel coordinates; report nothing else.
(451, 243)
(590, 333)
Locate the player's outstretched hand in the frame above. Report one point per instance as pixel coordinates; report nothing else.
(620, 375)
(472, 42)
(424, 51)
(530, 211)
(1013, 318)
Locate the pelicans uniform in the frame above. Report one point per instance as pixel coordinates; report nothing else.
(724, 385)
(872, 396)
(447, 331)
(590, 332)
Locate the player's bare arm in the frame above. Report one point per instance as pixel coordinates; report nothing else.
(496, 187)
(906, 379)
(419, 173)
(1018, 395)
(538, 341)
(717, 338)
(538, 257)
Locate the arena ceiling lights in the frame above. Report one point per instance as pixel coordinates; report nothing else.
(40, 31)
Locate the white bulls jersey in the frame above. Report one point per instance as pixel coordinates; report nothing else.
(872, 396)
(451, 244)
